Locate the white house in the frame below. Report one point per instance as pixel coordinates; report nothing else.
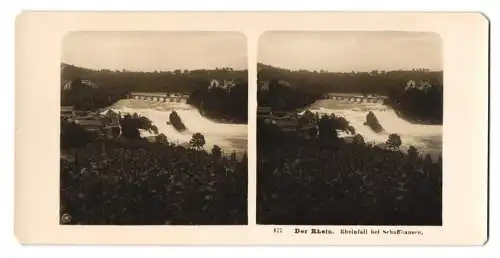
(421, 85)
(67, 84)
(264, 85)
(226, 85)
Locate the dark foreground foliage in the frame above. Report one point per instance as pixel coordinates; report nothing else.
(326, 181)
(140, 183)
(348, 185)
(74, 136)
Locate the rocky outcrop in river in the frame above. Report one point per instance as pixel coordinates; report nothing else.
(373, 123)
(176, 122)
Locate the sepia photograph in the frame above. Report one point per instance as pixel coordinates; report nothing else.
(349, 128)
(251, 128)
(153, 128)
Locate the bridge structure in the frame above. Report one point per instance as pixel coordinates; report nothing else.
(358, 98)
(159, 97)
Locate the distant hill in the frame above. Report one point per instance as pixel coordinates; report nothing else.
(159, 81)
(320, 82)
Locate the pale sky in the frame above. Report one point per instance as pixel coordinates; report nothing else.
(351, 51)
(150, 51)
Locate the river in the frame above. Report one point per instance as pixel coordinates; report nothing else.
(230, 137)
(426, 138)
(233, 137)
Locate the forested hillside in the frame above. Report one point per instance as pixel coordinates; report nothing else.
(287, 90)
(110, 86)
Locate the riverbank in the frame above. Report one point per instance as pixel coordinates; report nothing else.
(417, 121)
(222, 120)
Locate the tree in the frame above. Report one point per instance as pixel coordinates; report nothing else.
(268, 133)
(358, 139)
(312, 132)
(216, 151)
(244, 158)
(413, 152)
(326, 129)
(197, 141)
(340, 123)
(162, 139)
(131, 124)
(146, 124)
(154, 129)
(74, 135)
(351, 129)
(130, 128)
(428, 159)
(329, 125)
(394, 140)
(115, 131)
(306, 118)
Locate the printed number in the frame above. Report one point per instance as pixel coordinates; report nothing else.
(278, 230)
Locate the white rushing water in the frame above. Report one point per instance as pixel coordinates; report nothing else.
(426, 138)
(230, 137)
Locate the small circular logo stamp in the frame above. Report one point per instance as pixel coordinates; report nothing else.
(66, 218)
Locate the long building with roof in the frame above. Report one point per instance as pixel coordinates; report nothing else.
(159, 96)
